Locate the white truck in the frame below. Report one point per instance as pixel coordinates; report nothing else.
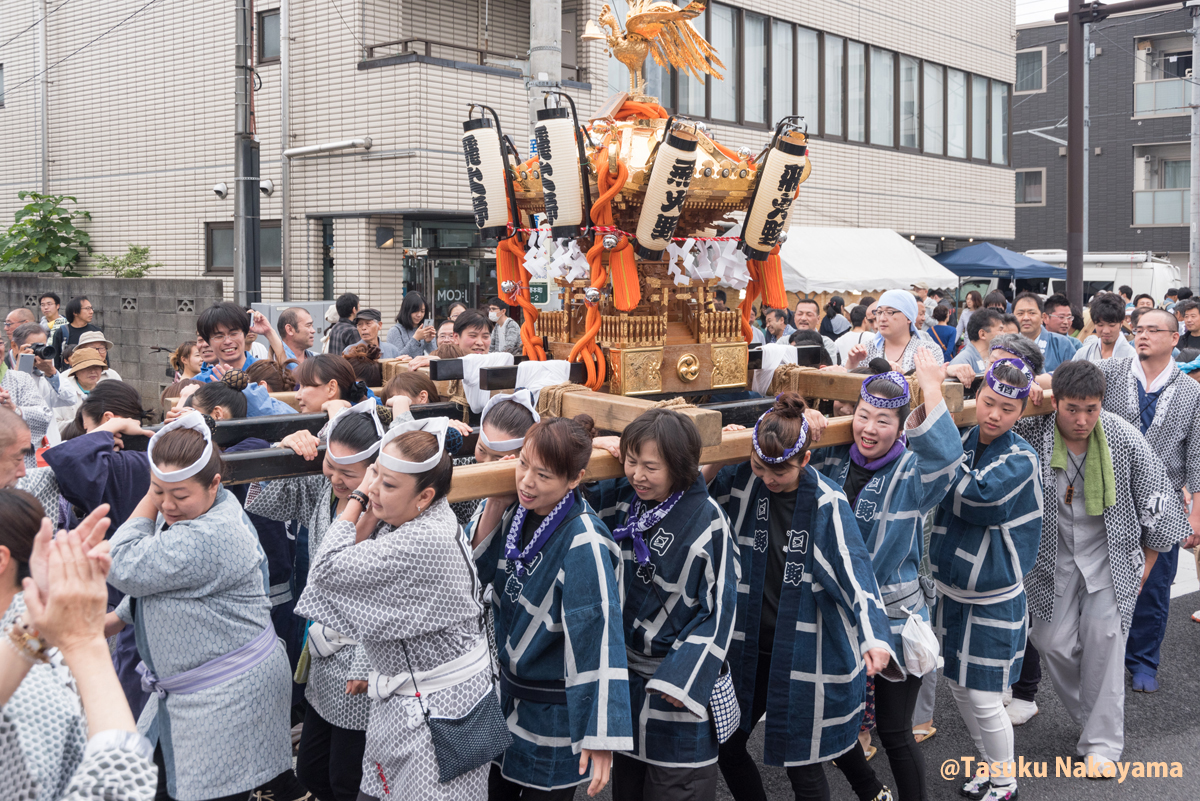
(1142, 272)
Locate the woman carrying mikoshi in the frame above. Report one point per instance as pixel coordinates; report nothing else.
(330, 759)
(553, 568)
(898, 468)
(810, 623)
(195, 579)
(679, 582)
(985, 539)
(394, 573)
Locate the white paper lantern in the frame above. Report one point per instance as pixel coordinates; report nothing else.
(674, 166)
(485, 176)
(772, 202)
(558, 159)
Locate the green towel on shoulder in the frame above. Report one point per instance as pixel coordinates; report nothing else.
(1099, 481)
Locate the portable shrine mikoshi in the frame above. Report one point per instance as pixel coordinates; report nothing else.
(630, 204)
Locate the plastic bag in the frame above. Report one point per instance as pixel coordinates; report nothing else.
(921, 649)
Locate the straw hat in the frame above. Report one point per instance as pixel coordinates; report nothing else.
(85, 357)
(94, 338)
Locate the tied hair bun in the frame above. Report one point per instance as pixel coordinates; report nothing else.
(789, 405)
(879, 366)
(236, 379)
(454, 441)
(587, 424)
(211, 423)
(358, 392)
(385, 415)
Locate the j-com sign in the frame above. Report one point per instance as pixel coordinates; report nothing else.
(451, 295)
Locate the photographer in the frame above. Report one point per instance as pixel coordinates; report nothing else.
(30, 338)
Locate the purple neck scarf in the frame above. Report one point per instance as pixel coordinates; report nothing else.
(512, 552)
(640, 522)
(883, 461)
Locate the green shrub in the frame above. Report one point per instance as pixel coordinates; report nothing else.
(43, 237)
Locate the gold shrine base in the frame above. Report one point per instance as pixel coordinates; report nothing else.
(688, 367)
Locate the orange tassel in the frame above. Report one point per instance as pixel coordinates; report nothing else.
(627, 292)
(771, 271)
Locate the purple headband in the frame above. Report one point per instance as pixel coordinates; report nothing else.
(892, 377)
(1008, 390)
(790, 452)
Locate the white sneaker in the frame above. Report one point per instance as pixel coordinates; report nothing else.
(1099, 767)
(1020, 711)
(1007, 695)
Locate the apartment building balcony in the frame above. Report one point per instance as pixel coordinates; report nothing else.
(1163, 97)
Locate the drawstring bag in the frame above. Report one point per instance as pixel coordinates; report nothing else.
(726, 713)
(921, 648)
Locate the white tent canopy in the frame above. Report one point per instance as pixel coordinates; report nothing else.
(819, 260)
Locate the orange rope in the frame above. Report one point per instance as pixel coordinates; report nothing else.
(510, 266)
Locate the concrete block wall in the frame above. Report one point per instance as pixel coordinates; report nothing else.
(134, 313)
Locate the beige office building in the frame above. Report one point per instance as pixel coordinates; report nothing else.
(128, 105)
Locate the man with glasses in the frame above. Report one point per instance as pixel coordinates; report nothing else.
(1029, 311)
(1152, 393)
(1057, 315)
(15, 319)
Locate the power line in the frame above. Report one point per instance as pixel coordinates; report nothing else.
(80, 49)
(348, 28)
(34, 25)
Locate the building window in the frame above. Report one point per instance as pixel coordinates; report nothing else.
(724, 26)
(1031, 71)
(883, 98)
(956, 114)
(218, 248)
(757, 77)
(979, 115)
(1031, 189)
(856, 90)
(933, 107)
(835, 60)
(910, 111)
(1176, 173)
(782, 56)
(268, 36)
(808, 77)
(999, 123)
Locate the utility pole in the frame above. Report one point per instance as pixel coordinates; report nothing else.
(1194, 191)
(1087, 129)
(545, 52)
(247, 283)
(285, 139)
(1075, 155)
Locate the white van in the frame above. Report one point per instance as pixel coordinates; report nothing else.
(1142, 272)
(1145, 273)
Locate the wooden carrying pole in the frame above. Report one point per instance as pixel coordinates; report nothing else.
(498, 478)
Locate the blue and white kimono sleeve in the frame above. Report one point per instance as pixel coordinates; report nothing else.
(561, 623)
(678, 628)
(891, 509)
(817, 687)
(985, 539)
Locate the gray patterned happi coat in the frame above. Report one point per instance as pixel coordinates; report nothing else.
(1175, 433)
(46, 714)
(308, 499)
(1147, 514)
(415, 588)
(26, 397)
(115, 766)
(197, 590)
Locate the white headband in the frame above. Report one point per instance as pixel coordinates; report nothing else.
(431, 425)
(522, 397)
(367, 407)
(195, 421)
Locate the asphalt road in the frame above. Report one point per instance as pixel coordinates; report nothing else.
(1159, 727)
